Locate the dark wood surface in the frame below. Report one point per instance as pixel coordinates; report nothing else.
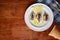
(12, 25)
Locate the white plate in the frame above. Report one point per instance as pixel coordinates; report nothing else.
(45, 27)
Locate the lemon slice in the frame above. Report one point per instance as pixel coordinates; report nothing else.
(35, 22)
(37, 9)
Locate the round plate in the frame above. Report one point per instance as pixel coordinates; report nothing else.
(43, 28)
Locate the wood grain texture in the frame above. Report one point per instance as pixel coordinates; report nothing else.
(12, 25)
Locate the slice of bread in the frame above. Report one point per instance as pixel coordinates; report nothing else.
(55, 33)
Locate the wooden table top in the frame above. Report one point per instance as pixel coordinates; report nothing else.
(12, 25)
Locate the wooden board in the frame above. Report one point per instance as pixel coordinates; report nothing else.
(12, 25)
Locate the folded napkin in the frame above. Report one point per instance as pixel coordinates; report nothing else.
(55, 7)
